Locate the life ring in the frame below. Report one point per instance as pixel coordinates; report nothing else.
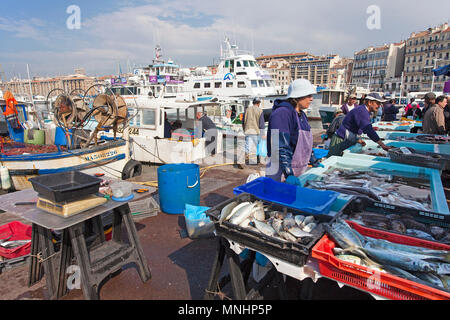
(132, 169)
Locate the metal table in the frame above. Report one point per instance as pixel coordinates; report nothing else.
(96, 261)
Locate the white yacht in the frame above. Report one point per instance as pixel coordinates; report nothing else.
(150, 80)
(237, 75)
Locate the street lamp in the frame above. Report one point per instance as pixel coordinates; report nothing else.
(432, 81)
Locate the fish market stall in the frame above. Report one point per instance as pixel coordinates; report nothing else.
(380, 250)
(419, 154)
(384, 183)
(398, 136)
(393, 126)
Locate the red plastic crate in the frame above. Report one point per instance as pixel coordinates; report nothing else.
(379, 283)
(19, 231)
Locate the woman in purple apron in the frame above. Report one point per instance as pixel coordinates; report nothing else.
(289, 136)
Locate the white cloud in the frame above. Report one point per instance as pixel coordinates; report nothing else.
(191, 32)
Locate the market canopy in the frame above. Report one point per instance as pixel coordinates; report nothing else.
(445, 70)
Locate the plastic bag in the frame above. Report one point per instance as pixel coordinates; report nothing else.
(261, 149)
(198, 224)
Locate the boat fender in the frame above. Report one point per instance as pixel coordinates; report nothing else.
(133, 168)
(5, 178)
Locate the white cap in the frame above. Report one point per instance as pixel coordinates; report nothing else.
(301, 88)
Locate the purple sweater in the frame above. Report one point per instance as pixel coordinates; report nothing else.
(357, 121)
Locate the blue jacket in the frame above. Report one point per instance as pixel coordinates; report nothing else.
(283, 118)
(389, 112)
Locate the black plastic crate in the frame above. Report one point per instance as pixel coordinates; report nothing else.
(65, 186)
(357, 205)
(421, 158)
(295, 253)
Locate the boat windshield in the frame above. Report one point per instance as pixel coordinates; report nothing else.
(254, 83)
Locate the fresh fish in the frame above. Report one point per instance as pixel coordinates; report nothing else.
(226, 211)
(406, 261)
(413, 224)
(398, 226)
(299, 233)
(235, 209)
(438, 232)
(245, 223)
(264, 228)
(443, 268)
(288, 222)
(432, 279)
(299, 220)
(242, 214)
(443, 255)
(351, 259)
(287, 236)
(277, 225)
(14, 243)
(307, 220)
(446, 239)
(258, 212)
(344, 235)
(358, 253)
(310, 227)
(420, 234)
(402, 273)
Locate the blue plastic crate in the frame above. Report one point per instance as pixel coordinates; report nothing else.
(438, 199)
(304, 199)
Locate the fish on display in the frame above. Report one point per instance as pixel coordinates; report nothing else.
(265, 228)
(14, 243)
(241, 214)
(377, 187)
(417, 264)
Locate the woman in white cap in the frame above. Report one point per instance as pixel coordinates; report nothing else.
(355, 123)
(289, 136)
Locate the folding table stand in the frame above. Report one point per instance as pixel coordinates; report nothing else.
(239, 274)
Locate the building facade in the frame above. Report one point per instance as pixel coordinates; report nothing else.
(43, 86)
(376, 67)
(426, 51)
(342, 67)
(288, 57)
(280, 72)
(316, 69)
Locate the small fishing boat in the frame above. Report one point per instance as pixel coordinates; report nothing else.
(108, 156)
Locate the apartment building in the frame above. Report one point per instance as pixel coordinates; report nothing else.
(280, 72)
(342, 67)
(316, 69)
(288, 57)
(42, 86)
(379, 68)
(425, 51)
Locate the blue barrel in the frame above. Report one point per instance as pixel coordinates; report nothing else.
(60, 137)
(178, 185)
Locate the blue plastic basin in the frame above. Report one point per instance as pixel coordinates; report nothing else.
(304, 199)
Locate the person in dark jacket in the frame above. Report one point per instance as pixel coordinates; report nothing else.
(430, 100)
(355, 123)
(289, 135)
(207, 126)
(167, 127)
(350, 105)
(389, 111)
(414, 113)
(336, 123)
(447, 117)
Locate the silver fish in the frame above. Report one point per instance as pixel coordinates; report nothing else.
(431, 278)
(344, 235)
(287, 236)
(310, 227)
(258, 211)
(419, 234)
(299, 233)
(307, 220)
(243, 213)
(288, 222)
(299, 219)
(277, 225)
(264, 228)
(14, 243)
(234, 210)
(226, 211)
(386, 245)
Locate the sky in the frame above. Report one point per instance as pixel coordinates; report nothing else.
(124, 33)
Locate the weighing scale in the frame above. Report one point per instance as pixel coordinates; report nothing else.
(67, 209)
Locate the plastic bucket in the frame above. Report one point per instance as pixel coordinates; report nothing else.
(60, 137)
(178, 185)
(36, 137)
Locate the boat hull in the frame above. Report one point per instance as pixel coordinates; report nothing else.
(108, 159)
